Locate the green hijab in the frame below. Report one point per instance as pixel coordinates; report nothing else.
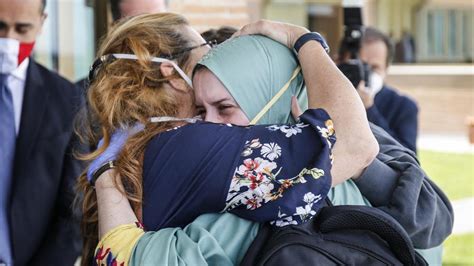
(254, 69)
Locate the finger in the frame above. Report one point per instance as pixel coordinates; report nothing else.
(235, 34)
(295, 108)
(258, 27)
(361, 85)
(245, 30)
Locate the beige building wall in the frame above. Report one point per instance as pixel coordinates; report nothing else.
(205, 14)
(294, 12)
(445, 95)
(445, 98)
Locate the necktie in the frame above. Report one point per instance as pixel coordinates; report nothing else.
(7, 151)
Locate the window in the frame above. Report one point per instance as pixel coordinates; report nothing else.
(448, 34)
(67, 41)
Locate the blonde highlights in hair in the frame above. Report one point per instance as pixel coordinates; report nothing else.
(125, 92)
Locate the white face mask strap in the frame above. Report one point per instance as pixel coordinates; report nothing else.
(160, 119)
(158, 60)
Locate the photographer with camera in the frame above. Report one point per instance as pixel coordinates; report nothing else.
(395, 113)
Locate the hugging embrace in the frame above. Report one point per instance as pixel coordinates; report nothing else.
(167, 188)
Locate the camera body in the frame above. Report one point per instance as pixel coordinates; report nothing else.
(353, 68)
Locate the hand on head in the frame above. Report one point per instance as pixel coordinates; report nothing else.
(284, 33)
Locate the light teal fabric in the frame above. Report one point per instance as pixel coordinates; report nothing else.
(433, 256)
(347, 193)
(212, 239)
(253, 68)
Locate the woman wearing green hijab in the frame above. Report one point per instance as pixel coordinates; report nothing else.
(237, 94)
(223, 239)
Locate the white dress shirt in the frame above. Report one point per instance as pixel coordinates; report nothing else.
(16, 84)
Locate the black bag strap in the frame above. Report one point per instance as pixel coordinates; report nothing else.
(254, 252)
(371, 219)
(328, 202)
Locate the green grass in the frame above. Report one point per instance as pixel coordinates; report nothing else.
(453, 173)
(458, 250)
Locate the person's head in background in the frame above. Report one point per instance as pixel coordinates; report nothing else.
(126, 8)
(219, 35)
(22, 20)
(376, 50)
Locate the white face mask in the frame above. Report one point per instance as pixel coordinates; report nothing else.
(376, 83)
(9, 49)
(96, 65)
(160, 119)
(159, 60)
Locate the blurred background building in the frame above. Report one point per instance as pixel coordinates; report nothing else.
(438, 72)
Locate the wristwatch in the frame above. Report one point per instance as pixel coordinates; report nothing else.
(310, 36)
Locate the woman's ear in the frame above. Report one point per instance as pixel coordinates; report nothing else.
(167, 70)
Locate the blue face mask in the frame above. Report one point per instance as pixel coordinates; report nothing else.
(96, 66)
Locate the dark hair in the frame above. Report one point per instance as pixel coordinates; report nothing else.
(371, 35)
(115, 9)
(374, 35)
(220, 35)
(43, 5)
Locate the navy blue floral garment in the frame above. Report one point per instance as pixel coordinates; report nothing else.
(264, 173)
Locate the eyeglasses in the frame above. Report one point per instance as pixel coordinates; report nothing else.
(211, 44)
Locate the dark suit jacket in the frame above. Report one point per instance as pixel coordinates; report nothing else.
(397, 114)
(42, 228)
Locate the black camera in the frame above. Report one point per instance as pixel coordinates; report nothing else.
(353, 68)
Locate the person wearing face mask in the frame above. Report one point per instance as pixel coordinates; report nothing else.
(37, 168)
(125, 8)
(225, 98)
(191, 168)
(386, 107)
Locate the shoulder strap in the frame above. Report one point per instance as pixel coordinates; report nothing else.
(255, 250)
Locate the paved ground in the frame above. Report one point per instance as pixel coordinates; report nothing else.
(445, 143)
(463, 209)
(463, 216)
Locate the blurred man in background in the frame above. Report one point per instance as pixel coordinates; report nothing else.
(126, 8)
(396, 113)
(37, 168)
